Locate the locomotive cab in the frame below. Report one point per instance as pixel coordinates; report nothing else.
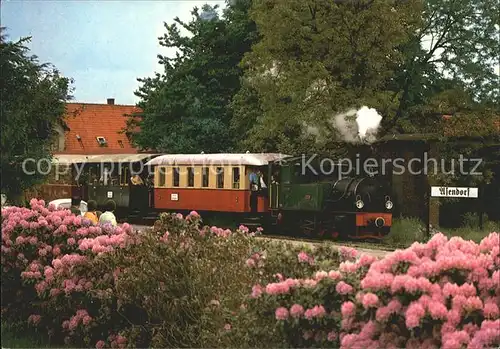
(329, 200)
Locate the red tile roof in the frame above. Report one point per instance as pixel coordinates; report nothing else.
(89, 121)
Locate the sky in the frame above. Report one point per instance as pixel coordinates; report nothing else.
(104, 45)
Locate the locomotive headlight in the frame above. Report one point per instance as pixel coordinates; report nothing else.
(360, 204)
(389, 204)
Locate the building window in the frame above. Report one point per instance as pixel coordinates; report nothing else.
(220, 177)
(190, 174)
(161, 176)
(175, 177)
(236, 178)
(205, 176)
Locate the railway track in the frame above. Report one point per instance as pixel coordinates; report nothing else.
(377, 249)
(335, 242)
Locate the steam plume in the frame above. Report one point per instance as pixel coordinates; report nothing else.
(354, 126)
(346, 125)
(368, 121)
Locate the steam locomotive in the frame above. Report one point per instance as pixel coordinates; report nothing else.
(333, 203)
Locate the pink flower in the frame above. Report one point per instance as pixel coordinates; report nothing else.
(281, 313)
(491, 310)
(310, 283)
(227, 327)
(348, 309)
(344, 288)
(348, 253)
(331, 336)
(278, 288)
(100, 344)
(318, 311)
(35, 319)
(303, 257)
(165, 236)
(348, 267)
(308, 314)
(473, 303)
(296, 310)
(121, 339)
(370, 300)
(333, 274)
(256, 291)
(250, 263)
(437, 310)
(414, 314)
(86, 320)
(321, 275)
(243, 229)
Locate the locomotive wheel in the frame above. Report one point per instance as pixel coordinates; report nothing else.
(327, 229)
(307, 228)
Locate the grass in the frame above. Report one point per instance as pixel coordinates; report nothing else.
(406, 231)
(473, 233)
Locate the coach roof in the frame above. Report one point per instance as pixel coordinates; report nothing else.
(245, 159)
(103, 158)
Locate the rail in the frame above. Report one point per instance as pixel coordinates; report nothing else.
(339, 243)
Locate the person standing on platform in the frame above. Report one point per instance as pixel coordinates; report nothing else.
(262, 183)
(254, 189)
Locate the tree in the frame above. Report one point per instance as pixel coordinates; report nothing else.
(186, 108)
(452, 52)
(316, 59)
(33, 101)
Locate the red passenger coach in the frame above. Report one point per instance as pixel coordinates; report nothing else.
(209, 182)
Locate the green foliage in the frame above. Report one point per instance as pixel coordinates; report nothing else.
(33, 101)
(186, 107)
(449, 64)
(405, 231)
(317, 59)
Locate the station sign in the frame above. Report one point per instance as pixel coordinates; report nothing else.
(454, 192)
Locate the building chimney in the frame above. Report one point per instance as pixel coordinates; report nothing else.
(111, 101)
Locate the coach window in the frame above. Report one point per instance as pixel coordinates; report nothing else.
(190, 179)
(124, 176)
(175, 177)
(220, 177)
(205, 177)
(236, 178)
(162, 176)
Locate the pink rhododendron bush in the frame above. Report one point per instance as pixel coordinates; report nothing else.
(442, 294)
(182, 284)
(179, 284)
(56, 277)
